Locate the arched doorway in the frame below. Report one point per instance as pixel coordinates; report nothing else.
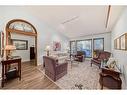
(21, 27)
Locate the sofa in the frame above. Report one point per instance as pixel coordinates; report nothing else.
(61, 56)
(53, 69)
(101, 56)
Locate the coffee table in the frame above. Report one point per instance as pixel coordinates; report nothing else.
(71, 60)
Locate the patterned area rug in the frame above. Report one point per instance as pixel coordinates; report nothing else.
(80, 76)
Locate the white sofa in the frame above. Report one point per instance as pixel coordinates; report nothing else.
(61, 56)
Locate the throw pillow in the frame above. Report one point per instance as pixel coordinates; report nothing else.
(112, 62)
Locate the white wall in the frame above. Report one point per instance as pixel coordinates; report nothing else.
(106, 36)
(24, 54)
(46, 34)
(119, 29)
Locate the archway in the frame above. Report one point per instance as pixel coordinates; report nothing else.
(22, 27)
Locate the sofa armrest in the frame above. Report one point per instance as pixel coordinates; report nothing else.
(61, 67)
(95, 58)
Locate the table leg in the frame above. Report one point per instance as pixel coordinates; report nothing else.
(2, 83)
(19, 68)
(102, 84)
(101, 79)
(119, 83)
(71, 64)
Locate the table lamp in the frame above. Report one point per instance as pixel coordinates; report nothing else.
(47, 50)
(9, 49)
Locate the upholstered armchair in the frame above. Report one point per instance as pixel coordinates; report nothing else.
(53, 69)
(80, 56)
(101, 55)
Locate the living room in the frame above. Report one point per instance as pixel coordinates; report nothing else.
(89, 30)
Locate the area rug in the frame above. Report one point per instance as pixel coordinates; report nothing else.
(79, 76)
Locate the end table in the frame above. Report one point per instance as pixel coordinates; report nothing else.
(110, 77)
(6, 63)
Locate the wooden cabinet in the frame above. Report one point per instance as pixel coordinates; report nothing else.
(32, 53)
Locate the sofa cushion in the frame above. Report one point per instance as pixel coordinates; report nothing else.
(60, 55)
(61, 61)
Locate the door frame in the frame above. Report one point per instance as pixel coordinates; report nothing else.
(9, 31)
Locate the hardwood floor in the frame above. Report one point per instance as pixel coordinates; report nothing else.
(32, 78)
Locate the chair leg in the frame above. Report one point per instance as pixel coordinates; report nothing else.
(91, 64)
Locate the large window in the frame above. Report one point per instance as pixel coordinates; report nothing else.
(85, 45)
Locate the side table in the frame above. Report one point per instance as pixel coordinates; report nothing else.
(5, 64)
(110, 78)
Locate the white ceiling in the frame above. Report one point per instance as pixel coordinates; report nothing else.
(91, 19)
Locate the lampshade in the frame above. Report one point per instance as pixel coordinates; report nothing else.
(10, 47)
(47, 48)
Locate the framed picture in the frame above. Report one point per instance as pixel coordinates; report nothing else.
(56, 46)
(20, 44)
(98, 44)
(123, 42)
(118, 43)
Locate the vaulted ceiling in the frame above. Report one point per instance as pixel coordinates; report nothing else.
(74, 21)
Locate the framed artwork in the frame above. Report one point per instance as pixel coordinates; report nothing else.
(20, 44)
(118, 43)
(98, 44)
(123, 42)
(56, 46)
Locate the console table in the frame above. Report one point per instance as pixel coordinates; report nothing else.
(5, 64)
(110, 77)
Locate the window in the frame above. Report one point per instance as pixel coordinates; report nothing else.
(72, 47)
(85, 45)
(98, 44)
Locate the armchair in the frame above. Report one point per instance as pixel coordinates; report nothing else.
(80, 56)
(53, 69)
(101, 55)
